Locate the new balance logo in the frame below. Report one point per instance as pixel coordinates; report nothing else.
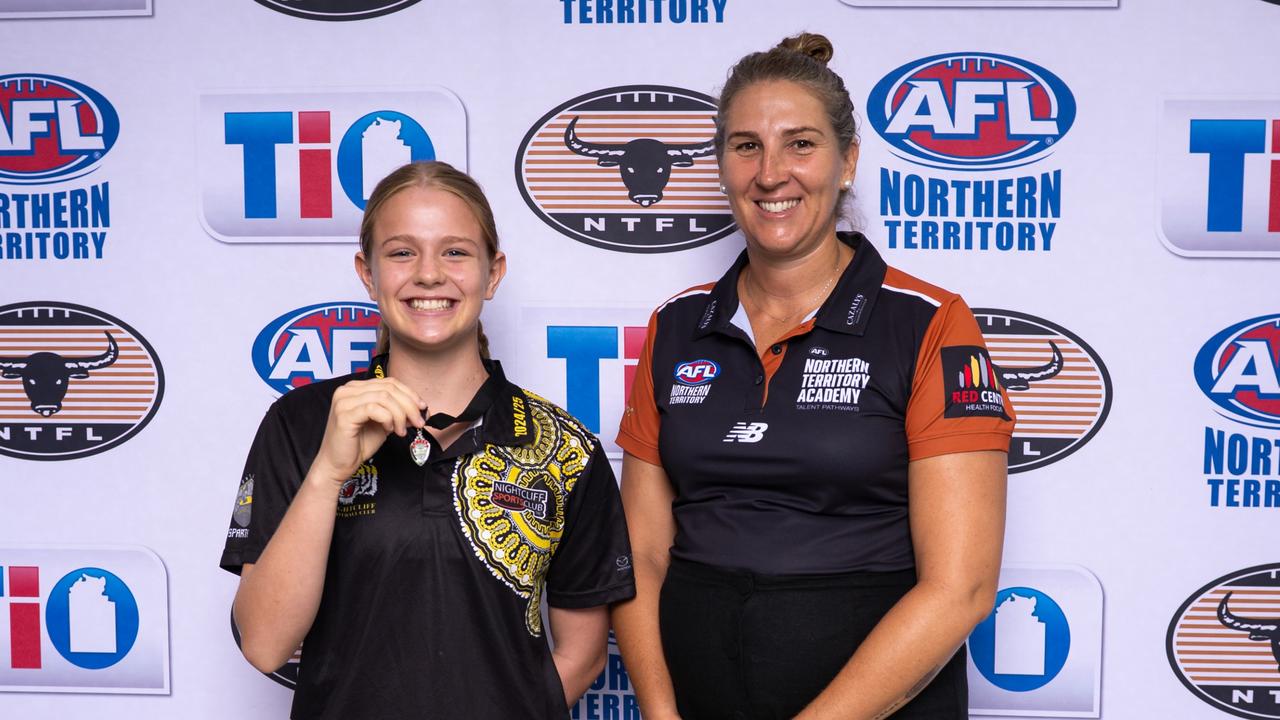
(746, 432)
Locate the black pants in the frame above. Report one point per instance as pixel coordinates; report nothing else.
(741, 645)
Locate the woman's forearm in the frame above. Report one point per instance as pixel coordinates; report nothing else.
(907, 648)
(279, 595)
(635, 623)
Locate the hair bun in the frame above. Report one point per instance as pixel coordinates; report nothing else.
(813, 45)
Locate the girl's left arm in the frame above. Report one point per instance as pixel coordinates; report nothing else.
(956, 507)
(581, 638)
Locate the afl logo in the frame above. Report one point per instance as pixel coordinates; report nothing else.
(316, 342)
(628, 168)
(74, 381)
(52, 128)
(1057, 384)
(1239, 370)
(336, 9)
(1224, 643)
(697, 372)
(971, 111)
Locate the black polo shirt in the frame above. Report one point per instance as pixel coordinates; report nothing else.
(432, 598)
(796, 463)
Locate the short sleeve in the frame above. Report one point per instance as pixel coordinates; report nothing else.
(958, 402)
(592, 563)
(638, 432)
(272, 475)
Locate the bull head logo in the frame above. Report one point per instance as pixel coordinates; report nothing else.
(45, 376)
(1021, 378)
(644, 164)
(1262, 630)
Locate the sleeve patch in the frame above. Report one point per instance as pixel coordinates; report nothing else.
(971, 383)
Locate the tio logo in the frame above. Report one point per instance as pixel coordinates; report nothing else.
(583, 348)
(317, 342)
(1220, 178)
(300, 166)
(1039, 652)
(92, 621)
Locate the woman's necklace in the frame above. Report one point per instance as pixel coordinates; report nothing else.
(835, 272)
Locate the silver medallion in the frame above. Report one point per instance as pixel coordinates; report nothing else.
(420, 449)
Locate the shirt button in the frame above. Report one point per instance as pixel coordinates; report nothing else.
(777, 349)
(759, 379)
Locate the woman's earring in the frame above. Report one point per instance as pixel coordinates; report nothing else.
(723, 190)
(847, 185)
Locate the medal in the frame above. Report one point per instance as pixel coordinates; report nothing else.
(420, 449)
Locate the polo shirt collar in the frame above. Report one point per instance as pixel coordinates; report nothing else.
(502, 406)
(846, 310)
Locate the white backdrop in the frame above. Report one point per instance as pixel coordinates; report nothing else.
(1118, 534)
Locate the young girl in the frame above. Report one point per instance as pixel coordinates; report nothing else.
(407, 521)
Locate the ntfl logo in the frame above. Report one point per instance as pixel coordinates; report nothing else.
(1239, 370)
(52, 128)
(1058, 385)
(74, 381)
(316, 342)
(1224, 643)
(627, 168)
(971, 111)
(1220, 178)
(299, 167)
(340, 10)
(84, 620)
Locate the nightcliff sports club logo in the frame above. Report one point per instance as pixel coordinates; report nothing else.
(299, 166)
(53, 130)
(74, 381)
(1058, 385)
(1238, 369)
(627, 168)
(336, 9)
(1220, 178)
(628, 12)
(317, 342)
(962, 112)
(83, 620)
(1224, 642)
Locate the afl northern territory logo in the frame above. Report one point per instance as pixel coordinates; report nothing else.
(628, 168)
(74, 381)
(336, 9)
(1224, 642)
(1057, 384)
(1239, 370)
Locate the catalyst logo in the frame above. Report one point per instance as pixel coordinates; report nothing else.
(1220, 178)
(961, 112)
(628, 168)
(299, 166)
(1058, 385)
(1224, 643)
(74, 381)
(84, 620)
(316, 342)
(1238, 370)
(339, 10)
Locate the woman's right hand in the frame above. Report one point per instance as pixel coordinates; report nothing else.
(362, 415)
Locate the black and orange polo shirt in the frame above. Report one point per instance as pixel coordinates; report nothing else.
(797, 463)
(433, 594)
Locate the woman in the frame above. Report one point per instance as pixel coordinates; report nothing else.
(405, 520)
(780, 420)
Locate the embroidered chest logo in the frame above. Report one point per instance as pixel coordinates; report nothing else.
(355, 497)
(693, 382)
(510, 501)
(833, 384)
(243, 510)
(746, 432)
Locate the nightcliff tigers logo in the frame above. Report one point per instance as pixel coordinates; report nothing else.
(510, 501)
(363, 483)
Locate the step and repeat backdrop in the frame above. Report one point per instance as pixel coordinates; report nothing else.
(181, 184)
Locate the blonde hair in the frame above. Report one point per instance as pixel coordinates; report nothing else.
(434, 175)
